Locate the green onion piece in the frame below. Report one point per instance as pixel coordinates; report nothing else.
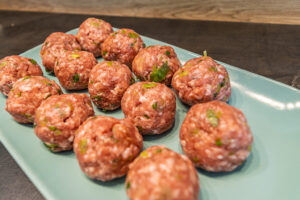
(154, 106)
(144, 154)
(123, 32)
(19, 94)
(59, 91)
(75, 55)
(76, 78)
(104, 53)
(127, 185)
(204, 54)
(109, 63)
(195, 131)
(51, 147)
(91, 82)
(26, 77)
(213, 68)
(196, 159)
(52, 128)
(131, 44)
(96, 98)
(144, 45)
(158, 151)
(3, 64)
(220, 85)
(158, 75)
(133, 35)
(57, 63)
(82, 146)
(146, 116)
(212, 118)
(149, 85)
(168, 53)
(95, 24)
(115, 33)
(27, 115)
(183, 73)
(32, 61)
(218, 142)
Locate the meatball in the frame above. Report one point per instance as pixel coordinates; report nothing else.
(201, 80)
(26, 96)
(122, 46)
(59, 116)
(91, 34)
(108, 82)
(151, 106)
(73, 69)
(105, 146)
(14, 67)
(156, 63)
(55, 45)
(216, 136)
(160, 173)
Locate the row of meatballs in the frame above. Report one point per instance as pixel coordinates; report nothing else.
(214, 135)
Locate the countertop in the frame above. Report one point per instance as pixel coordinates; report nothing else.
(265, 49)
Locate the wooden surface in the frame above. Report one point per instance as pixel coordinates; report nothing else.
(260, 11)
(269, 50)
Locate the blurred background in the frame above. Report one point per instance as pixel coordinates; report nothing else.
(260, 11)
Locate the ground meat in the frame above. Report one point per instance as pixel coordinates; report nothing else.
(73, 69)
(122, 46)
(91, 34)
(26, 96)
(151, 106)
(108, 82)
(216, 136)
(156, 63)
(59, 116)
(105, 146)
(201, 80)
(55, 46)
(160, 173)
(14, 67)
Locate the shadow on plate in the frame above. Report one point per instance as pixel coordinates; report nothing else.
(118, 181)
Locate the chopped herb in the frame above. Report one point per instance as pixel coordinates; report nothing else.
(212, 117)
(95, 24)
(146, 116)
(76, 78)
(196, 159)
(104, 53)
(158, 75)
(131, 44)
(213, 68)
(133, 35)
(204, 54)
(59, 91)
(57, 63)
(195, 131)
(144, 154)
(149, 85)
(132, 81)
(75, 55)
(96, 98)
(52, 128)
(27, 115)
(168, 53)
(26, 77)
(51, 147)
(183, 73)
(123, 32)
(82, 146)
(19, 94)
(92, 82)
(218, 142)
(115, 33)
(220, 85)
(50, 84)
(46, 43)
(139, 128)
(144, 45)
(3, 64)
(32, 61)
(95, 43)
(158, 151)
(109, 63)
(127, 185)
(154, 106)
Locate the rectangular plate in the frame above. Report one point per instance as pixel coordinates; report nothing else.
(271, 171)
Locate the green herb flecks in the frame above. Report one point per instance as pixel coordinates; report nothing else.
(82, 146)
(133, 35)
(95, 24)
(55, 130)
(123, 31)
(96, 98)
(26, 77)
(212, 117)
(3, 64)
(109, 63)
(219, 142)
(144, 154)
(146, 116)
(154, 106)
(144, 45)
(159, 74)
(127, 185)
(104, 53)
(51, 147)
(220, 85)
(75, 55)
(213, 69)
(204, 54)
(149, 85)
(59, 91)
(76, 78)
(19, 94)
(195, 159)
(158, 151)
(32, 61)
(168, 53)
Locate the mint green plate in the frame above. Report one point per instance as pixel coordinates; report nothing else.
(271, 171)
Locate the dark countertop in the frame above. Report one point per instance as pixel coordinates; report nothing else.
(268, 50)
